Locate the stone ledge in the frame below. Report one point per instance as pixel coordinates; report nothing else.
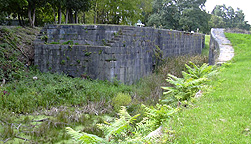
(221, 49)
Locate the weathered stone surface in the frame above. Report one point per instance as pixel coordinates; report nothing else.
(107, 52)
(221, 49)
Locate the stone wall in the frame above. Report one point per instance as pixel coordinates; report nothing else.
(107, 52)
(220, 47)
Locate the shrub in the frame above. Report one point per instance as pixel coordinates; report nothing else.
(121, 99)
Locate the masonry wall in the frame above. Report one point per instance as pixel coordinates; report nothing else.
(107, 52)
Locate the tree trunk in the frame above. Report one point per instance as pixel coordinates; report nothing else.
(94, 18)
(84, 18)
(66, 17)
(59, 15)
(76, 17)
(71, 19)
(55, 18)
(23, 20)
(31, 20)
(95, 13)
(34, 17)
(29, 15)
(19, 20)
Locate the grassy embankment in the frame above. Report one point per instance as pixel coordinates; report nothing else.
(39, 109)
(224, 114)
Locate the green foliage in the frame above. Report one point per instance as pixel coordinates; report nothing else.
(28, 95)
(124, 128)
(227, 17)
(54, 43)
(120, 128)
(223, 115)
(62, 62)
(148, 89)
(15, 51)
(121, 99)
(155, 117)
(83, 137)
(88, 53)
(69, 42)
(114, 132)
(195, 72)
(193, 80)
(45, 38)
(179, 15)
(183, 89)
(205, 50)
(106, 12)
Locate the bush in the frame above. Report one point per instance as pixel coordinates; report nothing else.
(121, 99)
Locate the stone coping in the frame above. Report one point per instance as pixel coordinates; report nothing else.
(226, 51)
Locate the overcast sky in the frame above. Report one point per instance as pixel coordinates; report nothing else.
(244, 5)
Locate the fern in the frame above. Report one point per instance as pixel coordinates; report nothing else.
(159, 114)
(119, 129)
(185, 88)
(122, 130)
(82, 137)
(195, 72)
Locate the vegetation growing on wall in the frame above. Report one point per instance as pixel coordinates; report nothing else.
(16, 51)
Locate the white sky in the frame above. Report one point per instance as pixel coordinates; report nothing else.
(244, 5)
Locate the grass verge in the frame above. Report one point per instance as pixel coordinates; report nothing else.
(205, 51)
(223, 115)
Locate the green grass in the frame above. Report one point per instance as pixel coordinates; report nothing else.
(51, 90)
(205, 51)
(224, 114)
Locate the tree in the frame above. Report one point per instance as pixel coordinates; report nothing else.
(32, 6)
(117, 11)
(73, 7)
(231, 17)
(16, 8)
(170, 15)
(180, 15)
(216, 22)
(57, 6)
(155, 19)
(193, 18)
(193, 15)
(147, 7)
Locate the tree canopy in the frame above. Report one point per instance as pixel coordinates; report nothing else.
(187, 15)
(224, 16)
